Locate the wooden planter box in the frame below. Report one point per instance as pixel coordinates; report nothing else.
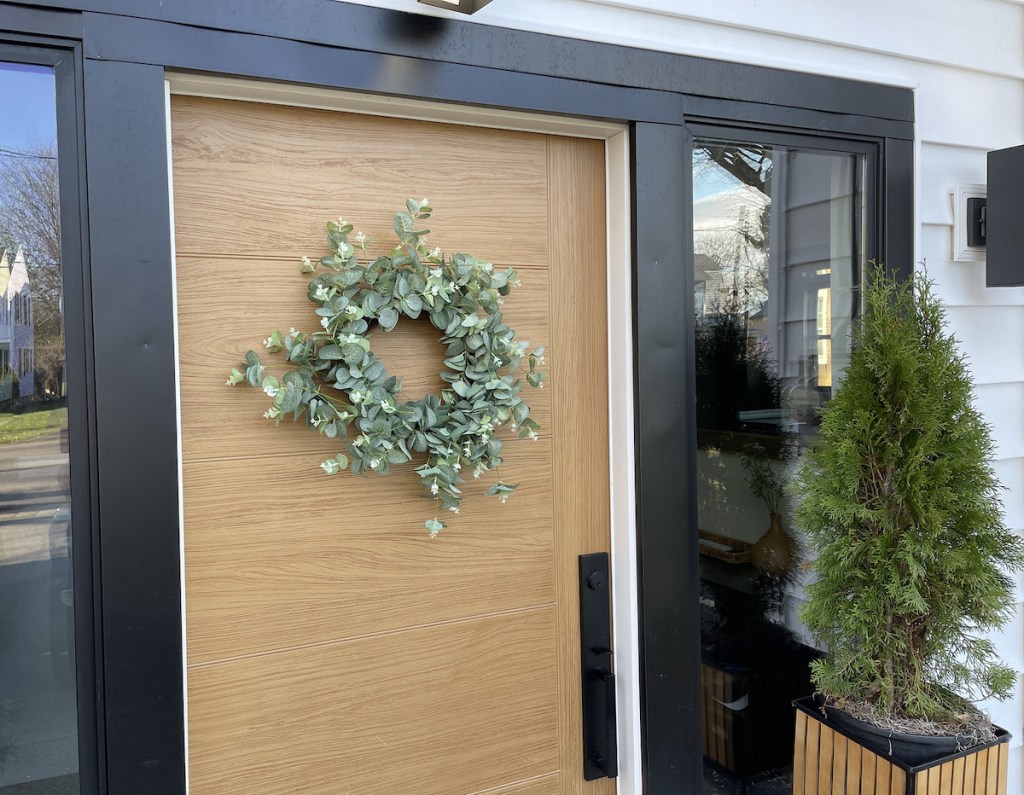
(827, 761)
(746, 714)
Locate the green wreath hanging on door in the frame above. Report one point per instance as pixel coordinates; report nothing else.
(339, 382)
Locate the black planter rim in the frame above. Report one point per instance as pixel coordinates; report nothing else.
(809, 706)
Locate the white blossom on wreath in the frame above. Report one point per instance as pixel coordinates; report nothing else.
(338, 381)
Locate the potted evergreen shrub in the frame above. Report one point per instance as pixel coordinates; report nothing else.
(901, 504)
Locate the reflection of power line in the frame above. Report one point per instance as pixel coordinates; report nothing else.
(5, 152)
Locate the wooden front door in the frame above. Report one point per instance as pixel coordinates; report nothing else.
(332, 646)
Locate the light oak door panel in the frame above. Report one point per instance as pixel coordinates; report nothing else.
(544, 785)
(332, 647)
(239, 174)
(442, 721)
(579, 387)
(350, 565)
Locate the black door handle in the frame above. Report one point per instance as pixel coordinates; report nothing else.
(611, 762)
(600, 754)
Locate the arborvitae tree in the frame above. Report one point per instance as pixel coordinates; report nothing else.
(902, 505)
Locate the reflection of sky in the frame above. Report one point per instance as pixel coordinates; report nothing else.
(28, 105)
(709, 181)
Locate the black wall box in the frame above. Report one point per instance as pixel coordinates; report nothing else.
(1004, 233)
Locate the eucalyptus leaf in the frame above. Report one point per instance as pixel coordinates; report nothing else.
(330, 352)
(352, 354)
(374, 301)
(413, 303)
(291, 400)
(388, 318)
(403, 223)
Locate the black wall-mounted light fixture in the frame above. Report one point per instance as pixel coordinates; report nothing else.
(462, 6)
(1003, 230)
(977, 216)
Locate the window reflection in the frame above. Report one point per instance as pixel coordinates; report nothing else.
(38, 721)
(777, 239)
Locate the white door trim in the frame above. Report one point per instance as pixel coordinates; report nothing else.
(622, 471)
(382, 105)
(625, 575)
(177, 419)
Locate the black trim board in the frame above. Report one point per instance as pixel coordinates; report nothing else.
(79, 346)
(453, 41)
(778, 117)
(113, 38)
(897, 183)
(666, 454)
(184, 47)
(40, 22)
(136, 411)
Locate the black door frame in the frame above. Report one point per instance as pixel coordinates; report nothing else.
(64, 57)
(121, 49)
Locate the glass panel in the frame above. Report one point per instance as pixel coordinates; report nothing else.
(778, 236)
(38, 720)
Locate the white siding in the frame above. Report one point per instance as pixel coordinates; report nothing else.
(965, 61)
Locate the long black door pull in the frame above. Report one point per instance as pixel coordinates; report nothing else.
(600, 754)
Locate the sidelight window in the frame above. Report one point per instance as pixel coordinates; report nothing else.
(779, 239)
(38, 711)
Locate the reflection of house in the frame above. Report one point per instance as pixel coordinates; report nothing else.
(730, 249)
(802, 256)
(17, 346)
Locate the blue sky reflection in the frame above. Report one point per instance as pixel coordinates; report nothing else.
(29, 106)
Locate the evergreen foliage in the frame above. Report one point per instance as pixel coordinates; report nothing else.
(902, 505)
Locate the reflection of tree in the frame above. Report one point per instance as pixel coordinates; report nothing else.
(30, 217)
(734, 372)
(741, 269)
(751, 164)
(733, 244)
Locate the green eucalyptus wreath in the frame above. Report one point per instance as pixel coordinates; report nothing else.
(338, 381)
